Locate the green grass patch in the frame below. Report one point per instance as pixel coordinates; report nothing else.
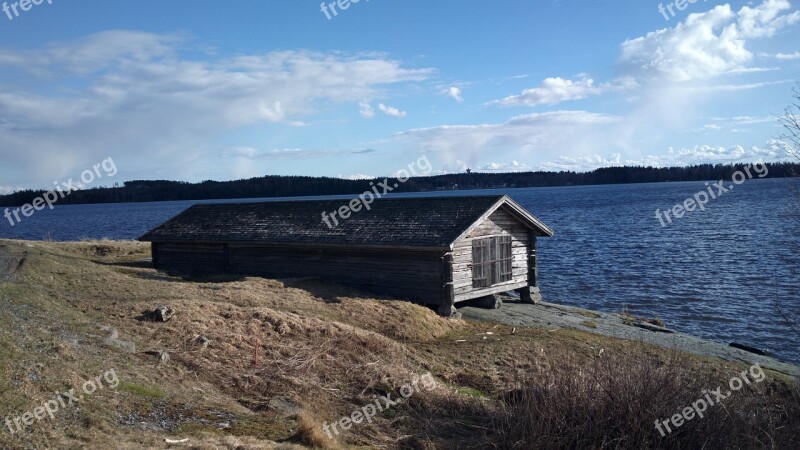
(471, 392)
(143, 391)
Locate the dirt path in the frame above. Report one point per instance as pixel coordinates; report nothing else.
(9, 263)
(552, 316)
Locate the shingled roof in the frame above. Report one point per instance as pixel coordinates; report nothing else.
(393, 222)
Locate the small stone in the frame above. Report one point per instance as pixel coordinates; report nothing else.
(125, 346)
(112, 332)
(163, 356)
(164, 313)
(203, 342)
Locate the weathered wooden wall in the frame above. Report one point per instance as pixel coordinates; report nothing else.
(430, 276)
(498, 223)
(414, 275)
(194, 258)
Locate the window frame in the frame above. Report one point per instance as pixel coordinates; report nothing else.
(492, 260)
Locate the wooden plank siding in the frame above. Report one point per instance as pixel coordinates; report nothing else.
(194, 258)
(419, 249)
(500, 222)
(414, 275)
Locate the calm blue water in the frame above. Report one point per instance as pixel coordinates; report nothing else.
(717, 273)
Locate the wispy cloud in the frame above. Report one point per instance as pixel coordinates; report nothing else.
(537, 134)
(390, 111)
(292, 153)
(556, 90)
(700, 154)
(137, 94)
(787, 56)
(366, 110)
(453, 92)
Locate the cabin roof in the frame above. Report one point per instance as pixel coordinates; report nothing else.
(429, 222)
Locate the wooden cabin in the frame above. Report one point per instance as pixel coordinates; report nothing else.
(435, 250)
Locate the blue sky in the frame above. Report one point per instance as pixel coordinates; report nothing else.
(195, 90)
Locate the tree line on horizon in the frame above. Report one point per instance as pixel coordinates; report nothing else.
(298, 186)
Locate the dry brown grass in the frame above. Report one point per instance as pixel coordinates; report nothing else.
(613, 402)
(323, 351)
(310, 432)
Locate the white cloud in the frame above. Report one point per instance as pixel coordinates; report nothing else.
(707, 44)
(291, 153)
(787, 56)
(527, 135)
(700, 154)
(581, 163)
(365, 109)
(357, 176)
(390, 111)
(706, 154)
(765, 20)
(135, 96)
(6, 190)
(557, 90)
(453, 92)
(738, 87)
(513, 166)
(744, 120)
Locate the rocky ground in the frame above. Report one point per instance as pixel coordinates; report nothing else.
(552, 316)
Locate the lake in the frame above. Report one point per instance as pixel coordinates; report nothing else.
(720, 273)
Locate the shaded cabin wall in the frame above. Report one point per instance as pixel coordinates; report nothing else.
(414, 275)
(195, 259)
(498, 223)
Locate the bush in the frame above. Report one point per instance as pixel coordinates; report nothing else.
(614, 402)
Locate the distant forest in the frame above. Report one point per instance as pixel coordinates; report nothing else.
(292, 186)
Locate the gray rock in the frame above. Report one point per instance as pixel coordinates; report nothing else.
(490, 302)
(164, 313)
(203, 342)
(284, 406)
(113, 340)
(553, 316)
(651, 327)
(126, 346)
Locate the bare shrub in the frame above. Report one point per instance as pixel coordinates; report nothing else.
(309, 432)
(613, 403)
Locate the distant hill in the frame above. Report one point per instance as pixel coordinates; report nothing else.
(291, 186)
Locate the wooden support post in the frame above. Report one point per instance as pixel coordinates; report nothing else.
(447, 304)
(533, 263)
(531, 294)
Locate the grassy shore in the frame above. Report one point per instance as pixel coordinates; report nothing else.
(73, 311)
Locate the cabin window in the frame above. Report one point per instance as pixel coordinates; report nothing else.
(491, 261)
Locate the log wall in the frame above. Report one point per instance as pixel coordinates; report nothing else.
(413, 275)
(498, 223)
(431, 277)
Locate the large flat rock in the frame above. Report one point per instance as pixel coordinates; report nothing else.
(552, 316)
